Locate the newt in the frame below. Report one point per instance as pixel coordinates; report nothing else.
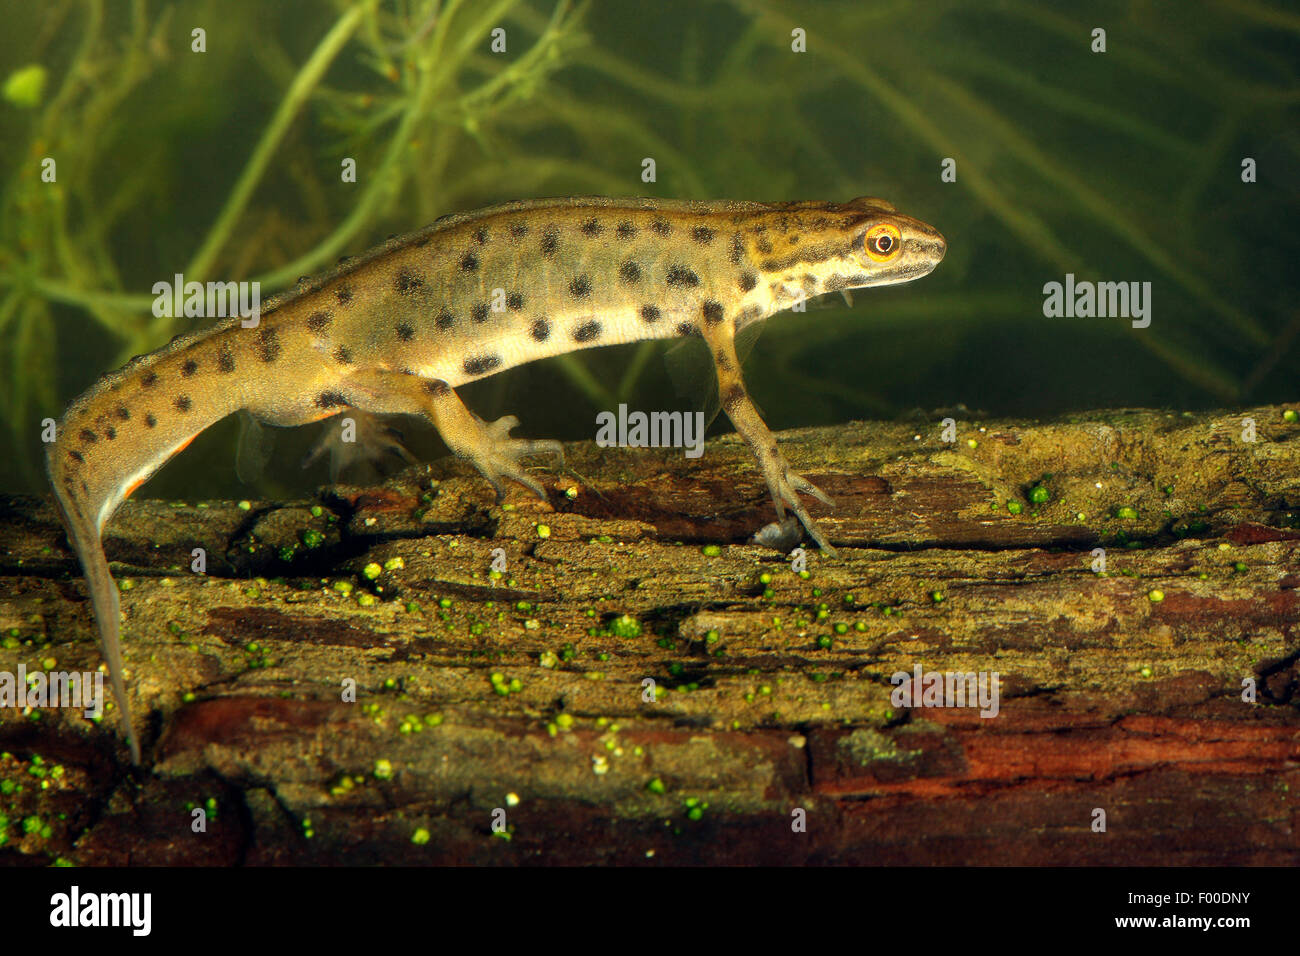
(396, 330)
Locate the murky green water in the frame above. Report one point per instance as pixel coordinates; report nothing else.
(1117, 166)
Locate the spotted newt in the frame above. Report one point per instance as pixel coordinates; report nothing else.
(396, 330)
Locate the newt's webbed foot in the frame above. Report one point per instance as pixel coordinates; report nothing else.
(785, 486)
(496, 455)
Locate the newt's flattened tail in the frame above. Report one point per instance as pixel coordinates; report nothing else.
(84, 537)
(119, 432)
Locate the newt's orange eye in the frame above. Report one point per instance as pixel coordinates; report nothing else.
(883, 242)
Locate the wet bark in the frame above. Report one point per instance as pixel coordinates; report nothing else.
(773, 734)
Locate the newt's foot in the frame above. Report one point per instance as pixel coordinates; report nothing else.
(369, 440)
(496, 455)
(785, 486)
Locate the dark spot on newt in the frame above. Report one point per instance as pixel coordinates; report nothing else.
(344, 294)
(747, 281)
(518, 230)
(268, 345)
(734, 396)
(226, 359)
(445, 319)
(405, 332)
(480, 364)
(480, 235)
(88, 436)
(587, 332)
(469, 262)
(437, 386)
(651, 313)
(685, 328)
(550, 242)
(629, 272)
(318, 321)
(764, 247)
(712, 310)
(189, 367)
(720, 356)
(149, 379)
(480, 312)
(110, 432)
(703, 235)
(183, 403)
(540, 331)
(592, 227)
(626, 230)
(661, 227)
(76, 456)
(409, 283)
(515, 301)
(150, 421)
(680, 275)
(737, 248)
(123, 413)
(330, 400)
(342, 355)
(580, 287)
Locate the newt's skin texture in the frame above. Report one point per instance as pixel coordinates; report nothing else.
(396, 330)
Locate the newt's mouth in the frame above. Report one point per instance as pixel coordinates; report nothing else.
(928, 248)
(938, 246)
(932, 251)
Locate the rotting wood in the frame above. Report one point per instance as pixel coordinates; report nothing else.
(1120, 691)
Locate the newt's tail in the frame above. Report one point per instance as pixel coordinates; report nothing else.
(83, 535)
(112, 438)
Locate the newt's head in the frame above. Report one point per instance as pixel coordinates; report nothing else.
(819, 247)
(890, 247)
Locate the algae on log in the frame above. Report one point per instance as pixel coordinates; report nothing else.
(770, 735)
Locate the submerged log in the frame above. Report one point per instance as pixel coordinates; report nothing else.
(637, 683)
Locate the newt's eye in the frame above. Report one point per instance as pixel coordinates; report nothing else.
(883, 242)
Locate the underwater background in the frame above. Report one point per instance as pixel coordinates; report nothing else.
(1117, 166)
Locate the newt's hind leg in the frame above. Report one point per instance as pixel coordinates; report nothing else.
(487, 445)
(783, 483)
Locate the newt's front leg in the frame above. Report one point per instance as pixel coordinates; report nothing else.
(783, 483)
(486, 445)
